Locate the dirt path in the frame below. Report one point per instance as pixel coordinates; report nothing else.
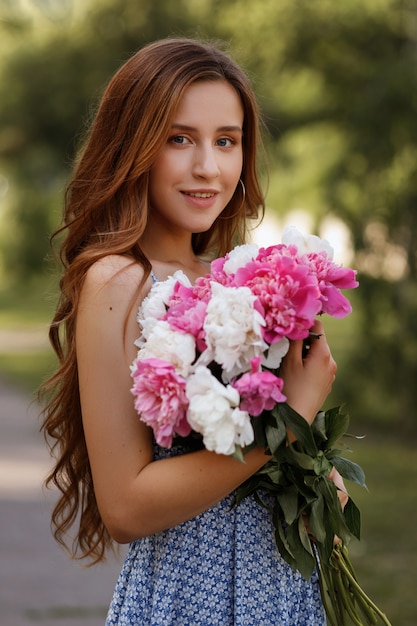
(39, 584)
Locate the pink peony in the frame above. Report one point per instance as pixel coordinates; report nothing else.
(202, 286)
(259, 391)
(287, 290)
(186, 314)
(332, 278)
(217, 272)
(160, 399)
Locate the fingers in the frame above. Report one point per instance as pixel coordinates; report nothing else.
(308, 379)
(319, 348)
(315, 343)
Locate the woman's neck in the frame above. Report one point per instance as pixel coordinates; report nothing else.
(168, 257)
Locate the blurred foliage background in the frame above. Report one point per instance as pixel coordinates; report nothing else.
(337, 84)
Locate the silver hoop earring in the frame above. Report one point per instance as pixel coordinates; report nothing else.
(243, 190)
(229, 217)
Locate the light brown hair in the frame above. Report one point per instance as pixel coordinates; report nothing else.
(106, 208)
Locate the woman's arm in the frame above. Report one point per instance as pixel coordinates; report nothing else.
(137, 496)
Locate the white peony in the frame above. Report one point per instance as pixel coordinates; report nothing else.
(213, 412)
(306, 243)
(169, 345)
(276, 353)
(233, 329)
(239, 257)
(154, 305)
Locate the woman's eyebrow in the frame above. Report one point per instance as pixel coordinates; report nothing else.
(223, 129)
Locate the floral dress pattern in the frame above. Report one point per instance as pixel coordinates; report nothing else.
(221, 568)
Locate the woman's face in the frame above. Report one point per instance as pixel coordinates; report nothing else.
(196, 174)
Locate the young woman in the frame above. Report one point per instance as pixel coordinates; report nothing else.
(167, 179)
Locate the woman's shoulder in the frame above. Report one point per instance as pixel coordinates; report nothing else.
(114, 270)
(113, 274)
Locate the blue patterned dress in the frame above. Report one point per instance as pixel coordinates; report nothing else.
(221, 568)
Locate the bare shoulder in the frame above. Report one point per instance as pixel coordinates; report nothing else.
(112, 287)
(108, 305)
(114, 271)
(114, 276)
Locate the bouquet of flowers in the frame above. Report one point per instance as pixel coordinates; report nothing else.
(208, 366)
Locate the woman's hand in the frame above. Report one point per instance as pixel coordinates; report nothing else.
(308, 380)
(342, 493)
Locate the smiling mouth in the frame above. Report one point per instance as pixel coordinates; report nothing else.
(198, 194)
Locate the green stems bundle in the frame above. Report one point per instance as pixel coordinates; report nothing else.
(311, 528)
(344, 600)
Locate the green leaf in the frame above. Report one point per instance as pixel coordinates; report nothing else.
(298, 425)
(238, 454)
(306, 487)
(282, 542)
(349, 470)
(331, 454)
(353, 518)
(302, 482)
(275, 435)
(288, 501)
(319, 428)
(337, 423)
(328, 490)
(321, 466)
(302, 460)
(316, 519)
(258, 424)
(325, 547)
(298, 540)
(304, 537)
(246, 489)
(335, 523)
(272, 470)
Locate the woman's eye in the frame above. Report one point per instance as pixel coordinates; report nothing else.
(179, 139)
(225, 142)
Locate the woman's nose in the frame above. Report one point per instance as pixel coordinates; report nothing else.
(205, 162)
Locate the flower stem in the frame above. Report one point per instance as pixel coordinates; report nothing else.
(324, 584)
(368, 607)
(345, 596)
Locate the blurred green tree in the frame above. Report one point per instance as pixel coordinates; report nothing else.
(338, 83)
(47, 88)
(338, 87)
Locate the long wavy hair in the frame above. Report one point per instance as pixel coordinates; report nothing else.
(106, 210)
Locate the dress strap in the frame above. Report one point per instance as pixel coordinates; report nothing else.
(153, 277)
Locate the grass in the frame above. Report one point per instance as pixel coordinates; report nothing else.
(384, 559)
(27, 370)
(27, 305)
